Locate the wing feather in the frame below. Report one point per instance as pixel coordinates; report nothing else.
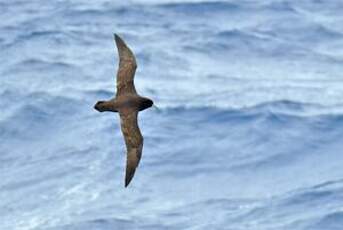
(127, 68)
(134, 142)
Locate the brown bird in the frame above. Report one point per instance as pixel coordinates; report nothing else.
(128, 103)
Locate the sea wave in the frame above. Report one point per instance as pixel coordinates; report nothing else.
(246, 133)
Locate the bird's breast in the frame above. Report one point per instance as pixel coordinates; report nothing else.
(126, 102)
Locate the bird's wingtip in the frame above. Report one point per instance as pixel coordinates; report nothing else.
(130, 172)
(115, 36)
(124, 51)
(128, 180)
(119, 41)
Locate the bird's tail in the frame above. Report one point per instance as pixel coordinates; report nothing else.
(103, 106)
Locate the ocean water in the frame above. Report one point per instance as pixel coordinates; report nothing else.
(248, 134)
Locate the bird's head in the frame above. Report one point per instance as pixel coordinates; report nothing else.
(147, 103)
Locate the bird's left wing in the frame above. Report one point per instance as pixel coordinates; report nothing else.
(127, 68)
(133, 140)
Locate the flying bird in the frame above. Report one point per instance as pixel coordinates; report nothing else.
(127, 102)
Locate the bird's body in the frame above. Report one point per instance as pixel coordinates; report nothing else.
(124, 103)
(127, 103)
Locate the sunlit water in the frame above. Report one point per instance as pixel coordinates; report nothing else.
(248, 135)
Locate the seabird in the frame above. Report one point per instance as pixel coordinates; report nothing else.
(127, 103)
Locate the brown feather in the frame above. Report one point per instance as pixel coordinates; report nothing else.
(133, 140)
(127, 68)
(128, 103)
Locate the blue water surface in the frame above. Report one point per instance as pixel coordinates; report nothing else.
(248, 134)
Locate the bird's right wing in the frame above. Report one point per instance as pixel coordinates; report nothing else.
(126, 70)
(133, 140)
